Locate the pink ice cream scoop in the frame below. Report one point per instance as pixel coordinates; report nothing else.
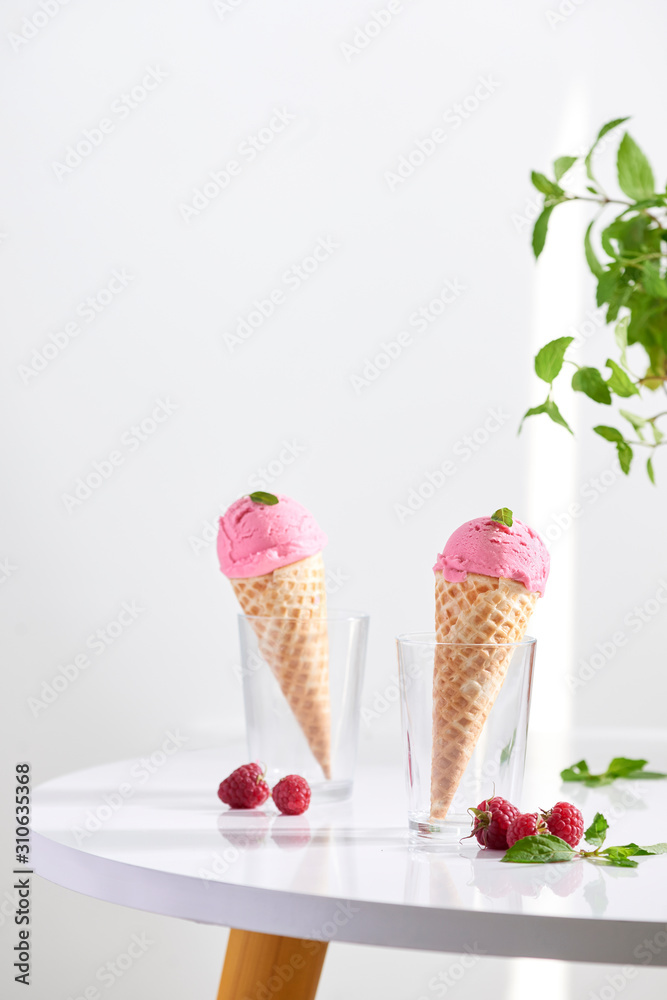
(256, 538)
(494, 549)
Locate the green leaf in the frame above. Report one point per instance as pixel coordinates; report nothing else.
(549, 360)
(603, 131)
(625, 455)
(635, 176)
(543, 847)
(649, 469)
(656, 849)
(540, 231)
(506, 752)
(617, 855)
(504, 516)
(651, 280)
(619, 767)
(546, 186)
(636, 421)
(562, 165)
(657, 433)
(620, 861)
(592, 261)
(267, 498)
(608, 433)
(619, 382)
(592, 189)
(597, 831)
(621, 337)
(607, 285)
(590, 381)
(555, 414)
(622, 766)
(577, 772)
(552, 411)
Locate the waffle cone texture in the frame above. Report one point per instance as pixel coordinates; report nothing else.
(292, 637)
(480, 609)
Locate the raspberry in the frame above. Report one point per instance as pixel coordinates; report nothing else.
(525, 825)
(292, 795)
(245, 788)
(491, 821)
(565, 821)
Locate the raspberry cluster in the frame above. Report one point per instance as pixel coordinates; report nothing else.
(498, 825)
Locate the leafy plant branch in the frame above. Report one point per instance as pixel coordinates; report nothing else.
(631, 283)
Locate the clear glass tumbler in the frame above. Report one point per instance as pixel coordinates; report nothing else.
(277, 657)
(498, 760)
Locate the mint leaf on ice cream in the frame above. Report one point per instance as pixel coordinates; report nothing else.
(504, 516)
(268, 498)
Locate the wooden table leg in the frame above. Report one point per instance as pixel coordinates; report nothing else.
(265, 966)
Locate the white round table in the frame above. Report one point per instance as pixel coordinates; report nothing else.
(155, 837)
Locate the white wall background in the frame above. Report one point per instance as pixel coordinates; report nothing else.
(145, 535)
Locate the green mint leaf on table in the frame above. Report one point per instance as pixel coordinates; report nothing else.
(650, 471)
(577, 772)
(619, 767)
(603, 131)
(597, 831)
(540, 231)
(635, 177)
(267, 498)
(544, 847)
(656, 849)
(549, 359)
(619, 382)
(562, 165)
(504, 516)
(590, 381)
(547, 187)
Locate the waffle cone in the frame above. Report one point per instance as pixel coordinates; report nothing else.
(480, 609)
(292, 638)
